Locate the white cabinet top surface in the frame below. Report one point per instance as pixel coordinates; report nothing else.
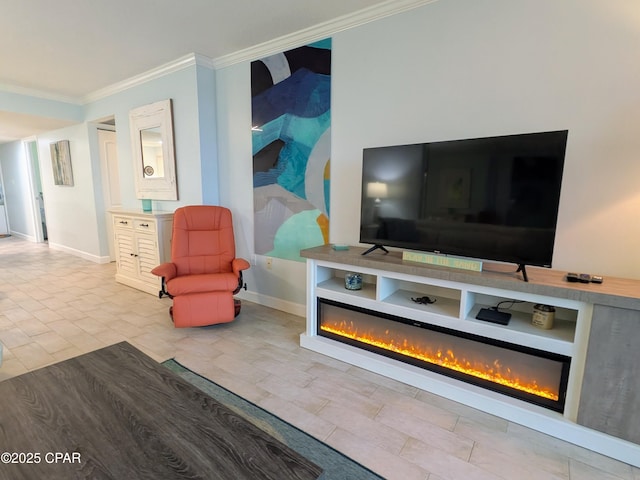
(138, 212)
(616, 292)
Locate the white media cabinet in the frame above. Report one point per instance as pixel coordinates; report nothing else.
(589, 419)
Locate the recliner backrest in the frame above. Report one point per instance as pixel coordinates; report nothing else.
(203, 240)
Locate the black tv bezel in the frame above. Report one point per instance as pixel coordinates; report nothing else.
(442, 249)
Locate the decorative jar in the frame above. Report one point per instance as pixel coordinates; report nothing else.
(543, 316)
(353, 281)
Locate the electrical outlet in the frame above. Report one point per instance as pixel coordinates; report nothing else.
(269, 263)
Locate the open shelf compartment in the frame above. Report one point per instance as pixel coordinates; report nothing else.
(520, 329)
(331, 280)
(401, 293)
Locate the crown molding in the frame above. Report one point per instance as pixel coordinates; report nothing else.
(31, 92)
(319, 32)
(160, 71)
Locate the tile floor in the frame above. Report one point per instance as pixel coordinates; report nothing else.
(54, 306)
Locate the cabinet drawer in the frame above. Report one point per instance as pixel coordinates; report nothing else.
(144, 225)
(122, 222)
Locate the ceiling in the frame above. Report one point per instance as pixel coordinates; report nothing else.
(69, 49)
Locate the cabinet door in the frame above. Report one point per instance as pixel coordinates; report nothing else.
(125, 253)
(610, 398)
(148, 258)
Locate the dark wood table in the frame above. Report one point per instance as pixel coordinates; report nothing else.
(117, 414)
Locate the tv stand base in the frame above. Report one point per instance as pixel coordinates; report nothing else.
(375, 247)
(522, 268)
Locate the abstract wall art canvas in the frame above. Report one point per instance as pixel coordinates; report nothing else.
(291, 131)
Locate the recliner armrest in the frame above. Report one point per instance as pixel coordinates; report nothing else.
(239, 264)
(166, 270)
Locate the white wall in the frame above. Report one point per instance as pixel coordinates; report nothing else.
(72, 217)
(64, 112)
(469, 68)
(460, 69)
(182, 87)
(17, 191)
(284, 285)
(207, 135)
(76, 219)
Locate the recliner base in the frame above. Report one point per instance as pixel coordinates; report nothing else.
(203, 309)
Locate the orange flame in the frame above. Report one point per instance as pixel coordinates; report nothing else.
(495, 372)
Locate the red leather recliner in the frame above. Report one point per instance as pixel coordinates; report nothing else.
(204, 273)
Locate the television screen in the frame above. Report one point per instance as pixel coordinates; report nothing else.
(492, 198)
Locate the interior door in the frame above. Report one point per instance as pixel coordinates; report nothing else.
(4, 224)
(110, 178)
(37, 198)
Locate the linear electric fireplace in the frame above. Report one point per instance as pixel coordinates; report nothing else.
(528, 374)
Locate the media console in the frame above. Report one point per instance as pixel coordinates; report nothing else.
(597, 328)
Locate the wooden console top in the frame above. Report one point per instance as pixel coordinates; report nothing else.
(615, 292)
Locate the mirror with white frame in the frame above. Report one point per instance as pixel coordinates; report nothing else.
(154, 166)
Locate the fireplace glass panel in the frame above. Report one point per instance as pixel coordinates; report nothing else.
(531, 375)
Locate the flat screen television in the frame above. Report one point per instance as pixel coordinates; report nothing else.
(493, 198)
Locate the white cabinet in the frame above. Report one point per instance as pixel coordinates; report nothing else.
(389, 284)
(142, 241)
(456, 307)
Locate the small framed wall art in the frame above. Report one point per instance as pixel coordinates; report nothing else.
(61, 163)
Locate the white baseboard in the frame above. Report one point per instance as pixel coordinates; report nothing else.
(79, 253)
(23, 236)
(273, 302)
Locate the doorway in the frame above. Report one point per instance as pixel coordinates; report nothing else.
(37, 196)
(110, 177)
(4, 220)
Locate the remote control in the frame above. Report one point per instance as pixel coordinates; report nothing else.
(572, 277)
